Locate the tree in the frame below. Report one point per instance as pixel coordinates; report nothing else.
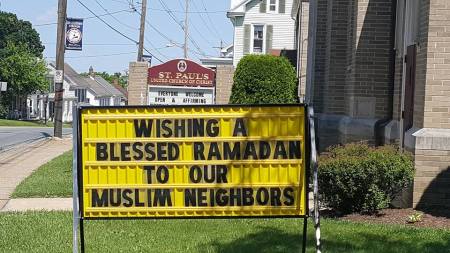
(19, 32)
(264, 79)
(122, 79)
(24, 72)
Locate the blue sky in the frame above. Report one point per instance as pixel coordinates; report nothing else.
(99, 40)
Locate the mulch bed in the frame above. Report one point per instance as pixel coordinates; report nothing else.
(431, 219)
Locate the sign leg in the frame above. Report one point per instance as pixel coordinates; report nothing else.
(82, 235)
(305, 230)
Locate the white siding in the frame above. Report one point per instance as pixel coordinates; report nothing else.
(283, 28)
(92, 99)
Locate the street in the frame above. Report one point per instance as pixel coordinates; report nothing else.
(10, 136)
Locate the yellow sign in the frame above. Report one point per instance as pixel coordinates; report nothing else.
(193, 161)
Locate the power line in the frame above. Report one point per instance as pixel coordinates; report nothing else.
(116, 19)
(159, 32)
(204, 22)
(115, 12)
(97, 44)
(92, 56)
(156, 49)
(195, 28)
(117, 31)
(174, 18)
(106, 23)
(211, 22)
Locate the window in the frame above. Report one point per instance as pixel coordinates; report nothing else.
(258, 38)
(51, 84)
(272, 5)
(81, 95)
(104, 101)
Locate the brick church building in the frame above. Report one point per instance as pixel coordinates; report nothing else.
(379, 70)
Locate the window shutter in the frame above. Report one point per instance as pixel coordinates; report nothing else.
(262, 6)
(247, 33)
(282, 6)
(269, 31)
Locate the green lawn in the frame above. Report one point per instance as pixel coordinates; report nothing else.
(53, 179)
(51, 232)
(25, 123)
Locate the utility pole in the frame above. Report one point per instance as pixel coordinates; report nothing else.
(186, 34)
(220, 48)
(60, 48)
(142, 30)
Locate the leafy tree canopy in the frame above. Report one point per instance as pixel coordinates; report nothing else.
(17, 31)
(264, 79)
(24, 72)
(123, 79)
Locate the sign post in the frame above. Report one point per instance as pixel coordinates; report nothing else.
(193, 162)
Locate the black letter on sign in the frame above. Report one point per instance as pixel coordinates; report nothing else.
(239, 128)
(102, 151)
(118, 197)
(195, 174)
(138, 154)
(125, 151)
(136, 198)
(247, 197)
(161, 197)
(212, 131)
(149, 169)
(190, 197)
(289, 196)
(159, 174)
(198, 151)
(126, 196)
(275, 196)
(280, 150)
(98, 201)
(295, 151)
(143, 129)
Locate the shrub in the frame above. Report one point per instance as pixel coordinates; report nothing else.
(358, 178)
(264, 79)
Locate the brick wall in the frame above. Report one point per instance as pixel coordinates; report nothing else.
(437, 89)
(137, 83)
(353, 57)
(432, 179)
(224, 83)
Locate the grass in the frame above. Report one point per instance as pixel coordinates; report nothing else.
(51, 232)
(28, 123)
(53, 179)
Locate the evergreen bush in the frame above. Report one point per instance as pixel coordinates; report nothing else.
(264, 79)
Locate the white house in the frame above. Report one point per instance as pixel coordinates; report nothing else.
(41, 106)
(261, 26)
(90, 90)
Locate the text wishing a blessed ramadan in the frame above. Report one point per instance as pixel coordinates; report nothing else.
(215, 175)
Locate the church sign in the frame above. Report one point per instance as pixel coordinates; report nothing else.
(180, 82)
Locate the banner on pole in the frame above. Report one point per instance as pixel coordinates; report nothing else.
(74, 34)
(193, 161)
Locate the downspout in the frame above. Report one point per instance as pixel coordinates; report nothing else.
(311, 52)
(382, 123)
(301, 97)
(402, 105)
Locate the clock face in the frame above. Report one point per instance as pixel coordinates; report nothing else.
(74, 35)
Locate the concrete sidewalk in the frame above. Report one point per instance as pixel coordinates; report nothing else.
(18, 163)
(38, 204)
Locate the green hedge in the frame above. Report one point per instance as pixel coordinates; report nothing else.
(358, 178)
(264, 79)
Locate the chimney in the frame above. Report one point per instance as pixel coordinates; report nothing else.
(91, 71)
